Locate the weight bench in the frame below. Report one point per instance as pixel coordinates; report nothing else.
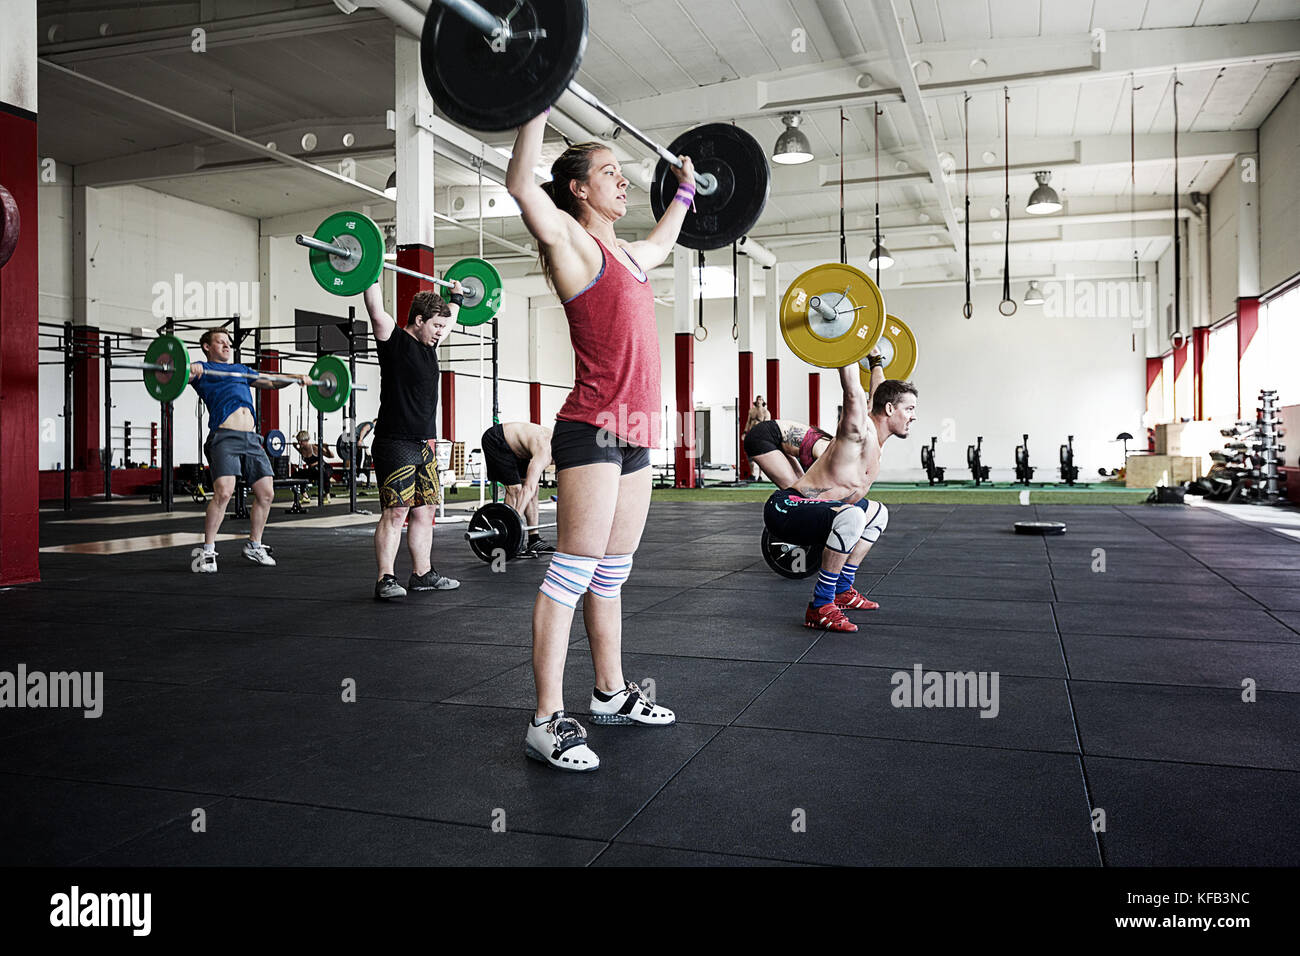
(298, 485)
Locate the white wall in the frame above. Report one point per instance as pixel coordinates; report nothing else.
(1224, 200)
(1279, 192)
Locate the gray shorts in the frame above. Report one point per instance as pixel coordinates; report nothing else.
(233, 453)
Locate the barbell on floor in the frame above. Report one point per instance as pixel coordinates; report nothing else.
(347, 257)
(498, 527)
(167, 372)
(494, 71)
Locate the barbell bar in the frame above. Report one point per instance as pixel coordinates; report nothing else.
(493, 66)
(167, 371)
(340, 253)
(706, 184)
(498, 29)
(347, 257)
(216, 373)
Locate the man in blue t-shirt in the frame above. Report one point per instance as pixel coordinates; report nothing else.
(233, 447)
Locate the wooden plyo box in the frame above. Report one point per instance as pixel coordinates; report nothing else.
(1152, 471)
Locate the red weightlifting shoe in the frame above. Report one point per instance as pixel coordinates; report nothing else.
(828, 617)
(851, 600)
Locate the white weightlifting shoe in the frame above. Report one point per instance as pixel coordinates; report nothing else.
(628, 706)
(258, 554)
(206, 563)
(562, 742)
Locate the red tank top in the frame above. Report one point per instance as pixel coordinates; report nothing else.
(616, 355)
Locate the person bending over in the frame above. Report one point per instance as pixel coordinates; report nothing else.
(828, 505)
(405, 468)
(604, 430)
(233, 447)
(516, 454)
(784, 449)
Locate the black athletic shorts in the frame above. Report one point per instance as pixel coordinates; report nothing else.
(406, 472)
(762, 438)
(577, 443)
(794, 519)
(501, 462)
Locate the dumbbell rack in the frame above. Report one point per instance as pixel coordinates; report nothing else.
(1267, 452)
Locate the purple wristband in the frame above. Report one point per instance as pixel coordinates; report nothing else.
(685, 195)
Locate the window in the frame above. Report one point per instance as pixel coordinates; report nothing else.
(1220, 382)
(1279, 328)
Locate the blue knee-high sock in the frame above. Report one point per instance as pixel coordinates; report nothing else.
(846, 578)
(824, 592)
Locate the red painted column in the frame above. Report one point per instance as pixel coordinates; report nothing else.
(270, 397)
(86, 400)
(1247, 326)
(814, 399)
(447, 399)
(684, 454)
(1180, 366)
(420, 259)
(1155, 392)
(774, 387)
(535, 402)
(742, 412)
(1200, 351)
(19, 283)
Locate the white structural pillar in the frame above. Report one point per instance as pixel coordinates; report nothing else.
(684, 366)
(745, 347)
(772, 305)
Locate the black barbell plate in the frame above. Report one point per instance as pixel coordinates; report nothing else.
(782, 558)
(740, 166)
(505, 521)
(494, 89)
(1039, 527)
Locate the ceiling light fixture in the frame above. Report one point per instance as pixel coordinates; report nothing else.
(1043, 200)
(792, 146)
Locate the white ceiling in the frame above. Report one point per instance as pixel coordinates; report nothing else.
(285, 67)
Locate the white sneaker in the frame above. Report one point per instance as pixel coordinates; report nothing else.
(561, 742)
(206, 564)
(628, 706)
(258, 554)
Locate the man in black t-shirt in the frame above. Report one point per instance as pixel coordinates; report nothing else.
(405, 468)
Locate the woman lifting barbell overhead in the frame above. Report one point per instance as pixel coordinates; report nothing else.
(233, 447)
(604, 430)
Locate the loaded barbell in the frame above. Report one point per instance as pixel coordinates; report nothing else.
(498, 527)
(494, 66)
(166, 368)
(347, 257)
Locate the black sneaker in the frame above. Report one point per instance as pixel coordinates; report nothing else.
(387, 589)
(540, 547)
(431, 580)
